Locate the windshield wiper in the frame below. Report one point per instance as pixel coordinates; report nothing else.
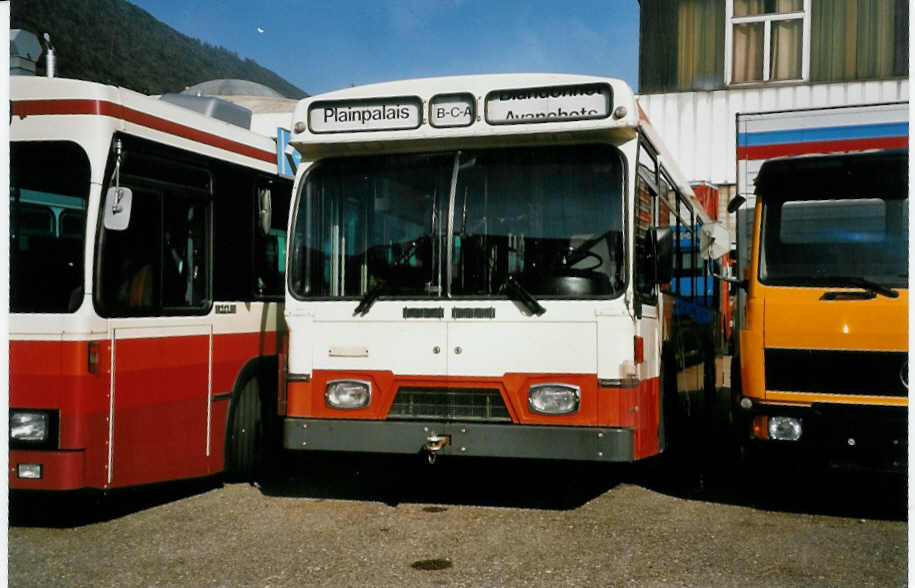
(514, 290)
(369, 298)
(372, 294)
(855, 281)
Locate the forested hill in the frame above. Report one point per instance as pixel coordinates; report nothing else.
(115, 42)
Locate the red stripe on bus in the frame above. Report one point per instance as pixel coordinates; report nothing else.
(787, 149)
(23, 108)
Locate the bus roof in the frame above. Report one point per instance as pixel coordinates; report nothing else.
(464, 111)
(139, 115)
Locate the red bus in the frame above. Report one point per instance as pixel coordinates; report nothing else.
(146, 285)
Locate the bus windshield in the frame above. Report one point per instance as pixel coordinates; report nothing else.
(49, 189)
(846, 239)
(462, 223)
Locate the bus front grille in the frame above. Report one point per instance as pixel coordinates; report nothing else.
(449, 404)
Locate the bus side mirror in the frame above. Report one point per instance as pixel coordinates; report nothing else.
(117, 208)
(264, 211)
(664, 253)
(714, 241)
(735, 203)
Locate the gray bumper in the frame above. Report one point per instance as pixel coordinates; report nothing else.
(480, 440)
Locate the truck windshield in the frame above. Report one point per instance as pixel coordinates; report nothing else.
(462, 223)
(854, 235)
(49, 189)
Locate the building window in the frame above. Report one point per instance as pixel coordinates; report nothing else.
(681, 45)
(859, 40)
(767, 40)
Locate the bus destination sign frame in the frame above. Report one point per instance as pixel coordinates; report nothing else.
(452, 110)
(399, 113)
(592, 101)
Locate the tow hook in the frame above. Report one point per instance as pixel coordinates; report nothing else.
(434, 444)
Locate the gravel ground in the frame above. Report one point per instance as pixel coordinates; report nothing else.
(360, 521)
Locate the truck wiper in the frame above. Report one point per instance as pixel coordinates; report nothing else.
(514, 290)
(855, 281)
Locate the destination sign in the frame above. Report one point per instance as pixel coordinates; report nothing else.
(452, 110)
(549, 104)
(379, 114)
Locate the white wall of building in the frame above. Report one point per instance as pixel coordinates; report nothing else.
(699, 128)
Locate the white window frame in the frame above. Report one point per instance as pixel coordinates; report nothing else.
(767, 19)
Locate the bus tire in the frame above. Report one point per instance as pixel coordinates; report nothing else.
(245, 434)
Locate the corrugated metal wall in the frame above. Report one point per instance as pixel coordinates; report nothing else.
(699, 128)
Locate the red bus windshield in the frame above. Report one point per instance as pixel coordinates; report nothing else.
(49, 189)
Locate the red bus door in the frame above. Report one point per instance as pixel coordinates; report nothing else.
(160, 406)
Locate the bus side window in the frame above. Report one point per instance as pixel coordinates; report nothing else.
(685, 245)
(159, 264)
(644, 251)
(666, 218)
(130, 260)
(646, 190)
(184, 263)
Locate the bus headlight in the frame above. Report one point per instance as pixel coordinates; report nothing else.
(31, 426)
(348, 394)
(554, 398)
(784, 428)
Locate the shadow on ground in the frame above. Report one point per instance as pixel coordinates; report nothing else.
(457, 481)
(391, 480)
(782, 486)
(531, 484)
(75, 509)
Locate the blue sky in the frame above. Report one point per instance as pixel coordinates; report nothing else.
(323, 46)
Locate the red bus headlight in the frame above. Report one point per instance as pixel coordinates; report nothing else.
(29, 426)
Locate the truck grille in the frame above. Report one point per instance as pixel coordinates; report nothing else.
(449, 404)
(873, 373)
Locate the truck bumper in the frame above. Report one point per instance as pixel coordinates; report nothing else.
(841, 436)
(607, 444)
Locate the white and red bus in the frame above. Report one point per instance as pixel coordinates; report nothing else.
(147, 250)
(486, 266)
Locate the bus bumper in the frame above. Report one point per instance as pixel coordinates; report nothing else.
(57, 470)
(839, 436)
(607, 444)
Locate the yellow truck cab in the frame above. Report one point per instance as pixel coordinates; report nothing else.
(823, 355)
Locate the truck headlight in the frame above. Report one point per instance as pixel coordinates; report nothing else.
(348, 394)
(554, 398)
(30, 426)
(784, 428)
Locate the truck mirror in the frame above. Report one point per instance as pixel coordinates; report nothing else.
(117, 208)
(664, 253)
